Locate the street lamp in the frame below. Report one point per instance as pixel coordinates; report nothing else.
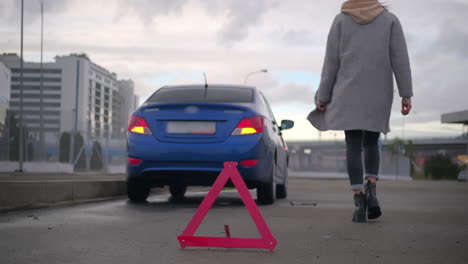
(21, 124)
(41, 104)
(252, 73)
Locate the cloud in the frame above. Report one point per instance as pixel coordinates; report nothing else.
(10, 10)
(148, 10)
(242, 15)
(299, 37)
(436, 41)
(453, 39)
(291, 93)
(238, 16)
(282, 93)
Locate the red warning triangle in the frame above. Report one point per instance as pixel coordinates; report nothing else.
(187, 239)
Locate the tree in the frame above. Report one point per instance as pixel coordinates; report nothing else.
(64, 147)
(440, 166)
(96, 156)
(64, 150)
(13, 136)
(81, 163)
(400, 147)
(30, 151)
(4, 138)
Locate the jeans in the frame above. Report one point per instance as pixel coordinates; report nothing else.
(356, 140)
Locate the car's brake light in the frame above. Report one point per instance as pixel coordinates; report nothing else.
(249, 163)
(251, 125)
(138, 125)
(133, 161)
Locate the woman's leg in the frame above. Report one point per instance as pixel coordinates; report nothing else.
(355, 171)
(372, 162)
(354, 159)
(371, 155)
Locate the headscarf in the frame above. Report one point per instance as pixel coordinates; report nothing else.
(362, 11)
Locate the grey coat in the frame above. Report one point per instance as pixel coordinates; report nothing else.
(357, 75)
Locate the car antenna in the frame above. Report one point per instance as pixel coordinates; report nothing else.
(206, 84)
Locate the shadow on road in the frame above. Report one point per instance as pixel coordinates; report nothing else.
(168, 203)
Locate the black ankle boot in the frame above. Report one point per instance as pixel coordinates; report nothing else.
(373, 207)
(360, 201)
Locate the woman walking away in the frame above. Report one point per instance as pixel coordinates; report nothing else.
(365, 47)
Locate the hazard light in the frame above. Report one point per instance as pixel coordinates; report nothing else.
(251, 125)
(138, 125)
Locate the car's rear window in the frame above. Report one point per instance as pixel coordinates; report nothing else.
(197, 95)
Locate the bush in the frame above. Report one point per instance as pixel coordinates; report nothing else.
(96, 156)
(440, 166)
(64, 147)
(81, 163)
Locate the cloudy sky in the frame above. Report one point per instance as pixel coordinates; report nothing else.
(159, 42)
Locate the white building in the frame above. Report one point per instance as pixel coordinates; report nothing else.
(71, 82)
(95, 93)
(129, 102)
(5, 85)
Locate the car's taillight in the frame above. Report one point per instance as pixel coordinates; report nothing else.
(251, 125)
(249, 163)
(133, 161)
(138, 125)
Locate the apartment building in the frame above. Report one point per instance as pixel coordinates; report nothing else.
(77, 94)
(37, 113)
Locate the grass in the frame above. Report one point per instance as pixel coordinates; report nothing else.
(419, 176)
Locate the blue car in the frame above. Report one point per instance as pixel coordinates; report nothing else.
(182, 135)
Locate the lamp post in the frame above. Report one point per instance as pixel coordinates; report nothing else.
(252, 73)
(41, 112)
(21, 128)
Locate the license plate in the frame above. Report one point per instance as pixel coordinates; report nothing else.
(191, 127)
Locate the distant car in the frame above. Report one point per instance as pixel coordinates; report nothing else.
(182, 135)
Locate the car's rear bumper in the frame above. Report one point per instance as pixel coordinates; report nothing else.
(197, 164)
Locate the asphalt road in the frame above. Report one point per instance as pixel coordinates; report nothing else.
(422, 222)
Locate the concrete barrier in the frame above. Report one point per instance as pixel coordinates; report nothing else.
(52, 167)
(341, 175)
(31, 194)
(116, 169)
(37, 167)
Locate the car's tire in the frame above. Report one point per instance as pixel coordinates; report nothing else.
(177, 191)
(282, 190)
(266, 192)
(137, 192)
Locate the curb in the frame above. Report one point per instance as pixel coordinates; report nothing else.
(34, 194)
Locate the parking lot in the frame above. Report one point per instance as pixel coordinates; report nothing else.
(422, 222)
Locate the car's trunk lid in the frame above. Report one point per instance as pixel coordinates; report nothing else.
(193, 122)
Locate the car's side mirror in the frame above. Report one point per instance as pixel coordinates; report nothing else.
(286, 124)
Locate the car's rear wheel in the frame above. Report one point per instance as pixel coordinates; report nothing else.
(266, 192)
(177, 191)
(137, 192)
(282, 190)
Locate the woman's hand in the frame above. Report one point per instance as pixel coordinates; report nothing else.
(321, 106)
(406, 105)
